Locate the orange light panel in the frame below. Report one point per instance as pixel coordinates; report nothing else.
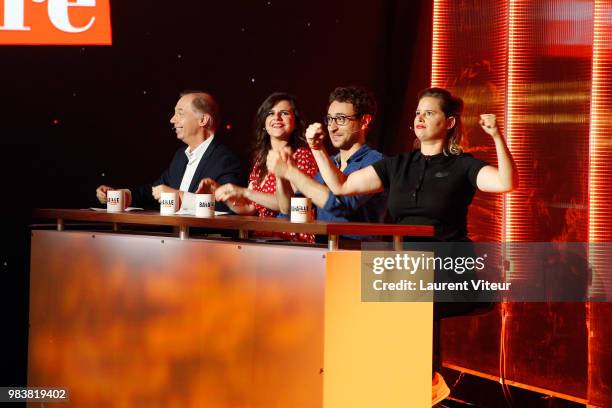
(469, 58)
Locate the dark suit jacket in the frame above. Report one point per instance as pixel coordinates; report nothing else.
(218, 163)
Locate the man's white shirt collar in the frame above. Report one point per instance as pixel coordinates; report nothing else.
(199, 151)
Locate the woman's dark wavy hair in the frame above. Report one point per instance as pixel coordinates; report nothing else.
(451, 106)
(262, 140)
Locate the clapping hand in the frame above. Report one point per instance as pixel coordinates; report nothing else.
(279, 162)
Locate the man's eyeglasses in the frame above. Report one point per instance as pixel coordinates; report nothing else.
(340, 120)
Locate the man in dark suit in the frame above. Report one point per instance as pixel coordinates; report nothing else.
(195, 120)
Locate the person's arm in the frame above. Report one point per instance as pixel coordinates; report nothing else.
(265, 199)
(503, 178)
(233, 196)
(295, 180)
(333, 177)
(237, 205)
(322, 197)
(348, 206)
(283, 193)
(318, 193)
(363, 181)
(241, 198)
(241, 207)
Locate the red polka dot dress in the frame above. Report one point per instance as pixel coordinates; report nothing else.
(305, 162)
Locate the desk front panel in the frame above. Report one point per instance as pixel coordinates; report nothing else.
(138, 321)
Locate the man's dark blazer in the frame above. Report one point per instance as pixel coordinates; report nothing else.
(217, 163)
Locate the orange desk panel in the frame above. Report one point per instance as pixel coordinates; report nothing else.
(138, 321)
(377, 354)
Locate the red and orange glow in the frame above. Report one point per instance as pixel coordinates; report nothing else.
(600, 206)
(600, 140)
(553, 64)
(469, 58)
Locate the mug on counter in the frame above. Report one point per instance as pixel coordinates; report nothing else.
(301, 209)
(205, 205)
(116, 201)
(168, 204)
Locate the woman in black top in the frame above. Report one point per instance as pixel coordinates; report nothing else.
(432, 185)
(435, 184)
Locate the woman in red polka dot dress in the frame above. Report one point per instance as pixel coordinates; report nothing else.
(278, 124)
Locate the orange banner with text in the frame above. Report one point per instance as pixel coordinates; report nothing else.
(55, 22)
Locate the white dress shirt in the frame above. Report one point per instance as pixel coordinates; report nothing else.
(193, 160)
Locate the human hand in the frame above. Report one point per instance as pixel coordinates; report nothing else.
(230, 192)
(286, 155)
(488, 122)
(278, 163)
(101, 193)
(207, 186)
(315, 136)
(162, 188)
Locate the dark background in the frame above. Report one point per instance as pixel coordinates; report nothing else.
(76, 117)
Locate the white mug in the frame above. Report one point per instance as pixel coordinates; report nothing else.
(301, 209)
(205, 205)
(168, 204)
(115, 201)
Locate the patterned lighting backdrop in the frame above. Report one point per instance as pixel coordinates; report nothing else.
(544, 68)
(549, 83)
(600, 193)
(469, 50)
(469, 58)
(600, 207)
